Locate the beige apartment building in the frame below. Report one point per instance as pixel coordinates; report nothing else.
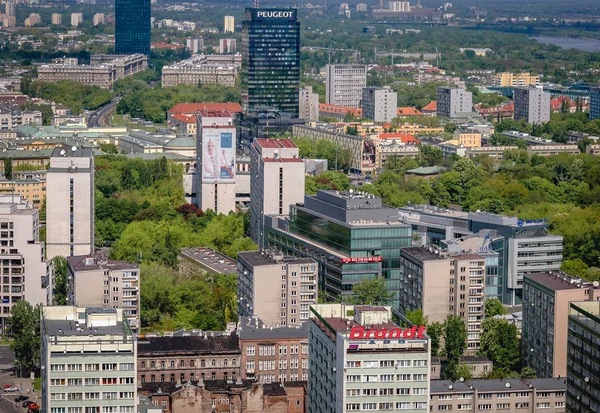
(33, 190)
(509, 79)
(203, 69)
(551, 150)
(276, 288)
(441, 284)
(56, 18)
(544, 337)
(10, 119)
(467, 138)
(99, 282)
(103, 70)
(494, 152)
(273, 355)
(229, 24)
(499, 396)
(388, 148)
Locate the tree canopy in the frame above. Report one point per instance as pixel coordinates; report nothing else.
(371, 291)
(24, 328)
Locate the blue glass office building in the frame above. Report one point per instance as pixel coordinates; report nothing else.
(132, 26)
(271, 60)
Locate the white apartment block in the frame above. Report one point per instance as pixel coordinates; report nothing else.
(76, 19)
(379, 104)
(88, 361)
(56, 18)
(25, 273)
(452, 100)
(362, 361)
(308, 104)
(532, 104)
(276, 181)
(70, 202)
(99, 282)
(344, 84)
(276, 288)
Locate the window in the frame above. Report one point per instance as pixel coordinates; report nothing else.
(484, 407)
(370, 364)
(403, 406)
(419, 391)
(386, 377)
(109, 381)
(420, 363)
(369, 392)
(559, 405)
(419, 405)
(352, 392)
(351, 378)
(503, 406)
(386, 392)
(543, 406)
(352, 406)
(419, 377)
(403, 363)
(522, 405)
(369, 406)
(444, 407)
(543, 395)
(464, 407)
(402, 377)
(503, 396)
(109, 366)
(386, 363)
(92, 382)
(402, 391)
(369, 378)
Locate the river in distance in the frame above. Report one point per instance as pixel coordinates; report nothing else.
(586, 45)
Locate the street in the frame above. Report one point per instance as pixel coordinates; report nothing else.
(9, 375)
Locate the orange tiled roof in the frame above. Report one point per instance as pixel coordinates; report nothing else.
(408, 111)
(402, 137)
(184, 118)
(430, 107)
(233, 107)
(337, 109)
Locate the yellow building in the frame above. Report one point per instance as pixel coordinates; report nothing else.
(509, 79)
(466, 138)
(34, 190)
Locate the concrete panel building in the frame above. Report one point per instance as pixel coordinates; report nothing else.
(544, 336)
(56, 18)
(595, 103)
(309, 104)
(70, 202)
(229, 24)
(76, 19)
(379, 104)
(99, 282)
(344, 84)
(363, 361)
(451, 101)
(88, 360)
(532, 104)
(273, 355)
(276, 181)
(276, 288)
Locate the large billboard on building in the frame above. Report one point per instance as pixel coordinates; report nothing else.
(218, 155)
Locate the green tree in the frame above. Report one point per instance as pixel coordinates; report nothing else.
(371, 291)
(528, 373)
(60, 288)
(24, 328)
(464, 371)
(435, 331)
(500, 343)
(8, 169)
(455, 339)
(494, 307)
(416, 317)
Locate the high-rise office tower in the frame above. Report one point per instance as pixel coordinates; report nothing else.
(276, 181)
(271, 60)
(70, 202)
(594, 103)
(453, 100)
(532, 104)
(132, 26)
(229, 26)
(344, 84)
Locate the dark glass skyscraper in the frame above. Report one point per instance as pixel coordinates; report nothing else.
(132, 26)
(271, 60)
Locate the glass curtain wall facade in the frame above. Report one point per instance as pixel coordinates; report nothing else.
(132, 26)
(271, 60)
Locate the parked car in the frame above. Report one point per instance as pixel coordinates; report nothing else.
(10, 388)
(33, 406)
(21, 398)
(27, 403)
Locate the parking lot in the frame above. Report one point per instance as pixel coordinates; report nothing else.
(9, 375)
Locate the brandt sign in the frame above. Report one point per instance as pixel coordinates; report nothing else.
(358, 333)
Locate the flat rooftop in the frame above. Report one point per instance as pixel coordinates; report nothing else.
(271, 257)
(193, 344)
(248, 330)
(66, 328)
(421, 253)
(211, 259)
(557, 281)
(275, 143)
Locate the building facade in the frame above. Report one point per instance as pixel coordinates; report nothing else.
(344, 84)
(276, 182)
(276, 288)
(202, 69)
(229, 24)
(273, 355)
(365, 362)
(508, 79)
(189, 358)
(271, 67)
(546, 299)
(132, 27)
(99, 282)
(379, 104)
(594, 103)
(10, 119)
(532, 104)
(76, 19)
(583, 365)
(80, 374)
(70, 203)
(451, 101)
(309, 104)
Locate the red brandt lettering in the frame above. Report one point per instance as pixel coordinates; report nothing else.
(385, 333)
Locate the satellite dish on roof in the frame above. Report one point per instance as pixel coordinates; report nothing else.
(62, 152)
(74, 148)
(596, 283)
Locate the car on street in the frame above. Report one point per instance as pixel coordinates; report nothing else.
(27, 403)
(21, 398)
(33, 407)
(10, 388)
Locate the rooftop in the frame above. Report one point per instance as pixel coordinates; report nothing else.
(76, 327)
(181, 142)
(189, 344)
(446, 386)
(554, 383)
(74, 151)
(89, 263)
(485, 385)
(211, 259)
(233, 107)
(558, 280)
(426, 170)
(271, 257)
(423, 253)
(252, 328)
(275, 143)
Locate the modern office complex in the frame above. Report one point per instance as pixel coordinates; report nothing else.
(202, 69)
(70, 202)
(352, 236)
(271, 60)
(583, 362)
(532, 104)
(361, 360)
(273, 355)
(309, 104)
(88, 360)
(344, 84)
(524, 246)
(132, 26)
(441, 284)
(277, 289)
(99, 282)
(379, 104)
(546, 299)
(26, 276)
(452, 100)
(276, 182)
(103, 70)
(594, 103)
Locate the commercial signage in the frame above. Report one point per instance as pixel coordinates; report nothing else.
(218, 155)
(274, 14)
(358, 333)
(525, 222)
(362, 259)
